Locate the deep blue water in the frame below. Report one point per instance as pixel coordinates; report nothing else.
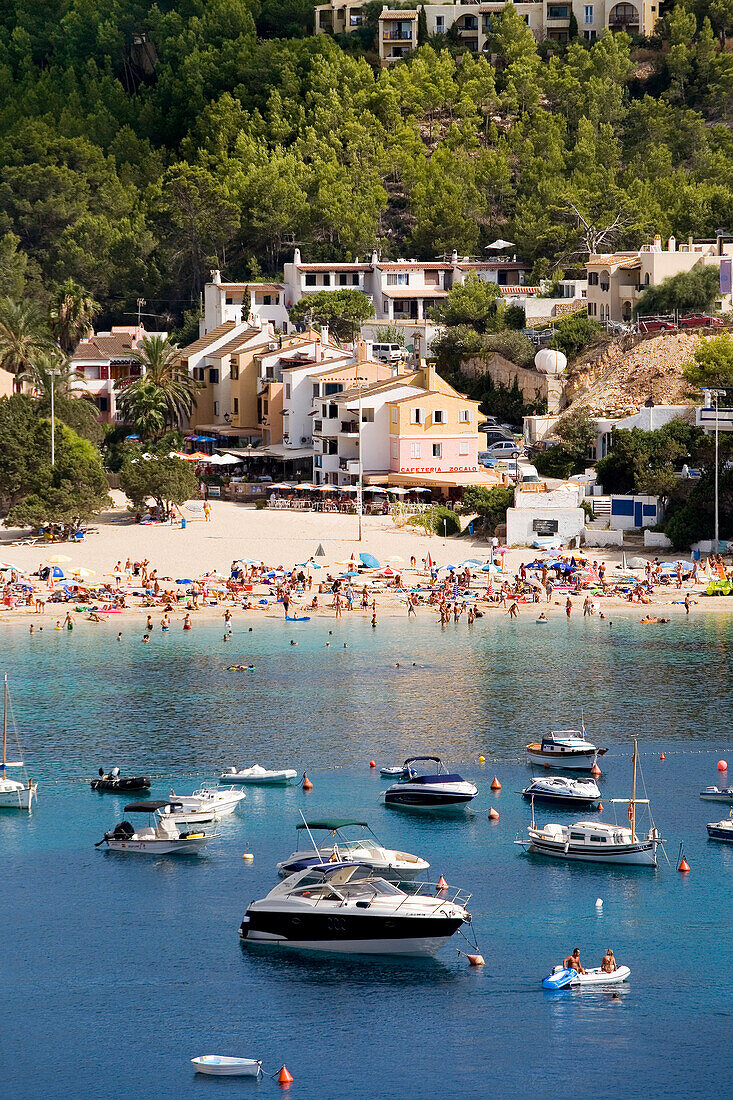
(117, 970)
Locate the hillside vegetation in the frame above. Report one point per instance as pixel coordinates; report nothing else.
(142, 144)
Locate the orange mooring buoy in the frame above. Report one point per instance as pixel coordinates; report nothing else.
(442, 884)
(600, 807)
(476, 960)
(493, 814)
(661, 756)
(372, 763)
(684, 866)
(307, 785)
(595, 770)
(284, 1077)
(495, 784)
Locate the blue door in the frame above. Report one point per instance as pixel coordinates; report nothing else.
(637, 513)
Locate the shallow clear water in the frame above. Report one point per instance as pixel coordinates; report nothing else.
(118, 970)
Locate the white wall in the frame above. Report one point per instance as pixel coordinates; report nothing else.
(519, 532)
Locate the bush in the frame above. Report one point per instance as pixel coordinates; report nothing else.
(432, 520)
(574, 333)
(260, 504)
(687, 525)
(514, 346)
(489, 505)
(514, 318)
(557, 462)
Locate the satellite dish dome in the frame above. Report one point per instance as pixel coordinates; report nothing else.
(550, 361)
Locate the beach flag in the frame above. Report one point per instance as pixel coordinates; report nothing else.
(320, 552)
(721, 572)
(623, 560)
(429, 563)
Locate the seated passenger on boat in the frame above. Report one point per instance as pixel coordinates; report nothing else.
(573, 962)
(608, 963)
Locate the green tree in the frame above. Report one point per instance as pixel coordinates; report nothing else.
(711, 366)
(344, 311)
(641, 462)
(472, 302)
(422, 26)
(159, 360)
(72, 312)
(143, 405)
(24, 337)
(574, 333)
(577, 433)
(13, 268)
(689, 291)
(18, 421)
(490, 505)
(167, 481)
(70, 492)
(51, 370)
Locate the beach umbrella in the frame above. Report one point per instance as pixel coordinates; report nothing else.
(320, 552)
(395, 490)
(199, 456)
(185, 580)
(228, 459)
(376, 489)
(369, 561)
(491, 568)
(57, 559)
(83, 573)
(216, 460)
(347, 488)
(8, 565)
(394, 557)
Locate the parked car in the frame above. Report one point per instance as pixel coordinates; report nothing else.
(656, 324)
(387, 353)
(700, 320)
(485, 459)
(506, 448)
(497, 435)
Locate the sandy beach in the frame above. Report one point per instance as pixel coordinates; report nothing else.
(285, 538)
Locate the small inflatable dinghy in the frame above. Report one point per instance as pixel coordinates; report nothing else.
(561, 978)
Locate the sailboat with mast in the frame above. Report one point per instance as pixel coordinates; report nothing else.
(14, 795)
(598, 841)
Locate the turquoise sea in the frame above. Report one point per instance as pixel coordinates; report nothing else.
(116, 971)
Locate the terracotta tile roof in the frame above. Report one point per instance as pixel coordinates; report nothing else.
(210, 338)
(410, 265)
(409, 292)
(613, 259)
(396, 382)
(334, 267)
(495, 265)
(104, 348)
(269, 287)
(353, 368)
(239, 342)
(395, 13)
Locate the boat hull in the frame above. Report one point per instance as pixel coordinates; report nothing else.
(570, 801)
(19, 798)
(718, 832)
(227, 1067)
(719, 796)
(392, 872)
(158, 847)
(349, 934)
(567, 761)
(425, 796)
(641, 854)
(278, 779)
(121, 786)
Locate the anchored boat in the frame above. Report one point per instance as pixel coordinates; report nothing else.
(717, 794)
(119, 784)
(259, 776)
(721, 830)
(14, 795)
(438, 790)
(346, 908)
(568, 749)
(217, 1065)
(563, 791)
(561, 977)
(163, 838)
(363, 848)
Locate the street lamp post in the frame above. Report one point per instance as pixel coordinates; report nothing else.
(716, 394)
(53, 426)
(359, 488)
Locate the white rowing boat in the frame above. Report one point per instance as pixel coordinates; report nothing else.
(216, 1065)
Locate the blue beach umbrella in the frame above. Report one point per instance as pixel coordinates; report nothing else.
(369, 561)
(185, 580)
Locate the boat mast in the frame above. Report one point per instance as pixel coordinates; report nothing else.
(632, 815)
(5, 722)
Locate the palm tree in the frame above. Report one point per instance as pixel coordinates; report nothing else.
(143, 404)
(52, 369)
(71, 314)
(161, 366)
(24, 337)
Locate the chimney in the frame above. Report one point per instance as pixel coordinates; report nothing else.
(296, 257)
(671, 245)
(375, 256)
(454, 256)
(324, 335)
(215, 276)
(657, 243)
(368, 350)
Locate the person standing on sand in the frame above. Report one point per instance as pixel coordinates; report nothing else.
(337, 605)
(411, 599)
(687, 604)
(207, 511)
(286, 602)
(568, 606)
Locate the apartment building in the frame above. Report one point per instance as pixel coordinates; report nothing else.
(103, 359)
(617, 280)
(415, 429)
(225, 301)
(472, 22)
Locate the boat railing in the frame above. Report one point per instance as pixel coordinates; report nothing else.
(442, 894)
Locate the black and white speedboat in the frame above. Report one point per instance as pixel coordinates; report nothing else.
(567, 749)
(342, 847)
(346, 908)
(563, 791)
(717, 794)
(436, 790)
(721, 830)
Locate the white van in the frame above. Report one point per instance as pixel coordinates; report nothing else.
(387, 353)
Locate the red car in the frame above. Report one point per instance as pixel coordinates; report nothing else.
(655, 324)
(699, 320)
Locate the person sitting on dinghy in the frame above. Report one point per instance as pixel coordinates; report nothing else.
(573, 962)
(608, 963)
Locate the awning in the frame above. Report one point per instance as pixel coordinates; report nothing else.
(279, 450)
(445, 480)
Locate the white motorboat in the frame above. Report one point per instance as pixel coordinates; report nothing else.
(347, 909)
(363, 848)
(14, 794)
(437, 790)
(721, 830)
(598, 841)
(568, 749)
(561, 790)
(217, 1065)
(717, 794)
(562, 978)
(394, 771)
(164, 838)
(257, 775)
(204, 805)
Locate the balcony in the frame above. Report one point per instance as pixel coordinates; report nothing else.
(350, 427)
(397, 36)
(705, 418)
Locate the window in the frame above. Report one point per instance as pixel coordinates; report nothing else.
(355, 279)
(385, 306)
(315, 389)
(234, 372)
(398, 280)
(310, 278)
(588, 15)
(213, 375)
(216, 408)
(367, 416)
(235, 406)
(199, 374)
(417, 416)
(326, 279)
(432, 278)
(332, 412)
(287, 390)
(229, 301)
(266, 299)
(324, 411)
(439, 416)
(465, 416)
(395, 416)
(395, 449)
(440, 24)
(557, 11)
(414, 450)
(437, 450)
(463, 447)
(342, 280)
(592, 278)
(331, 388)
(103, 404)
(577, 836)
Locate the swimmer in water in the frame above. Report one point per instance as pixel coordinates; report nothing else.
(119, 636)
(146, 637)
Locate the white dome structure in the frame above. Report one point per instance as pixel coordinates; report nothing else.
(550, 361)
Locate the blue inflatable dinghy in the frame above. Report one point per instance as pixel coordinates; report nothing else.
(559, 978)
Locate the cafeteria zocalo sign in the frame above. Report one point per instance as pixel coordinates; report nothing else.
(438, 470)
